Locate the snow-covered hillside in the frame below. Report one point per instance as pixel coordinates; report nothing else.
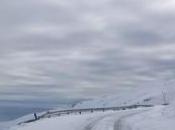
(158, 117)
(153, 96)
(94, 121)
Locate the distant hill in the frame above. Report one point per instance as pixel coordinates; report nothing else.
(145, 96)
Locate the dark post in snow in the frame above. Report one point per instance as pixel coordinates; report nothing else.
(164, 94)
(35, 116)
(165, 102)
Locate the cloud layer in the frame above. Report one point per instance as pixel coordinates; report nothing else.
(53, 49)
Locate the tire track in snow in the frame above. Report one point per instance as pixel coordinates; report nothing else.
(111, 121)
(92, 124)
(118, 124)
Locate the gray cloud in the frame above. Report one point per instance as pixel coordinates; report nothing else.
(80, 49)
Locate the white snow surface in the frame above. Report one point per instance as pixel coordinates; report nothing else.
(146, 96)
(157, 118)
(96, 121)
(112, 101)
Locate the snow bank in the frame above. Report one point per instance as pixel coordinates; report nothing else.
(69, 122)
(144, 97)
(159, 118)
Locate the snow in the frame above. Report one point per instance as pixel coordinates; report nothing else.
(146, 96)
(7, 124)
(93, 121)
(158, 117)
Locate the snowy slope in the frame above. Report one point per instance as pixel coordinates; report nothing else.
(153, 96)
(7, 124)
(96, 121)
(156, 118)
(160, 118)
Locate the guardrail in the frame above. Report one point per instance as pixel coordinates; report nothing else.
(49, 114)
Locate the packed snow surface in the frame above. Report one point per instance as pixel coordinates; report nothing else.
(158, 117)
(94, 121)
(146, 96)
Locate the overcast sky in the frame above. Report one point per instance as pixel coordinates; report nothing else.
(69, 49)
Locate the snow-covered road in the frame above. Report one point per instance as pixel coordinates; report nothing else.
(95, 121)
(110, 121)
